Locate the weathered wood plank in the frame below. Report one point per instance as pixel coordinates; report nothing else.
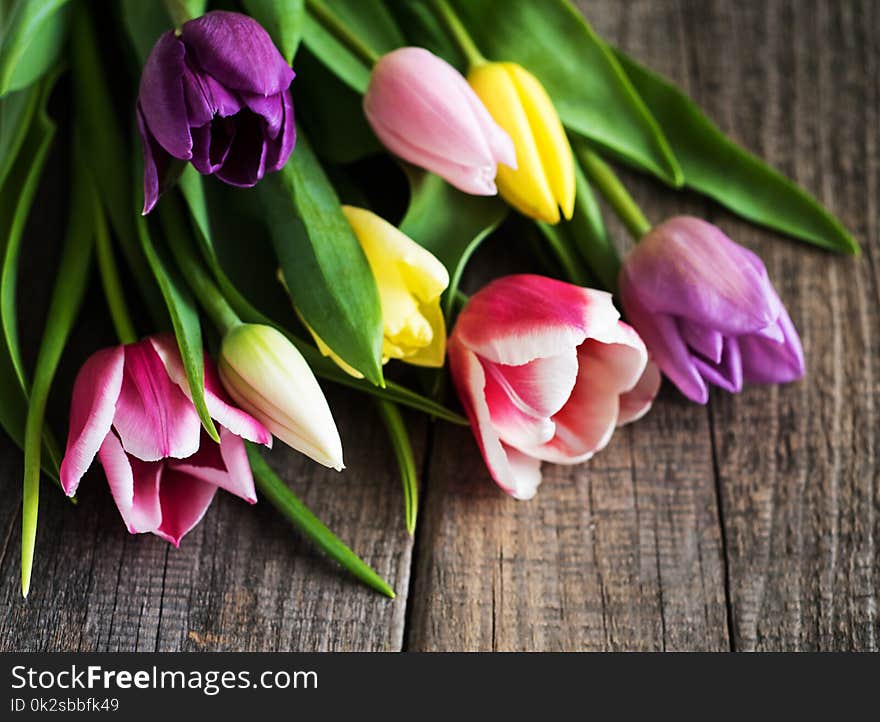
(797, 464)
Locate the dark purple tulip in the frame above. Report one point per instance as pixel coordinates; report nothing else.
(707, 310)
(217, 95)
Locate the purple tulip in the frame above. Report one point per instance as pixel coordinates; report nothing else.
(707, 310)
(217, 95)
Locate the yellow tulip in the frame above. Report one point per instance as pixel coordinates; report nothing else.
(543, 181)
(410, 281)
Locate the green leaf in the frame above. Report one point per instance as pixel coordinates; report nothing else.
(369, 21)
(283, 19)
(70, 287)
(449, 223)
(591, 92)
(337, 126)
(184, 318)
(16, 112)
(326, 271)
(145, 22)
(192, 186)
(406, 463)
(587, 233)
(15, 204)
(716, 166)
(302, 518)
(97, 129)
(30, 41)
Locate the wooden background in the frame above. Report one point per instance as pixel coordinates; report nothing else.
(747, 524)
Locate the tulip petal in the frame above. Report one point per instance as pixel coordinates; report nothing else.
(515, 423)
(434, 354)
(690, 269)
(236, 50)
(550, 139)
(278, 149)
(224, 465)
(156, 163)
(245, 163)
(516, 473)
(587, 422)
(728, 373)
(217, 400)
(525, 188)
(663, 339)
(516, 319)
(184, 499)
(224, 101)
(636, 402)
(269, 108)
(154, 419)
(92, 408)
(199, 103)
(541, 387)
(766, 361)
(705, 341)
(161, 96)
(134, 485)
(499, 141)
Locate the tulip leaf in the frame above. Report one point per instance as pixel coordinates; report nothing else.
(31, 38)
(67, 297)
(337, 127)
(96, 127)
(326, 271)
(298, 514)
(16, 111)
(449, 223)
(283, 19)
(184, 317)
(715, 166)
(403, 452)
(551, 39)
(587, 233)
(145, 22)
(367, 20)
(15, 204)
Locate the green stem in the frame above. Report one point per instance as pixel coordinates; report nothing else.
(570, 264)
(198, 279)
(405, 461)
(328, 19)
(285, 501)
(609, 185)
(458, 33)
(122, 322)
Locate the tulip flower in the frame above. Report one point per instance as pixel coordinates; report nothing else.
(131, 408)
(543, 181)
(267, 377)
(546, 371)
(216, 95)
(423, 110)
(707, 310)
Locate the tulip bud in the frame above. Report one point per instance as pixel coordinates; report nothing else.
(543, 181)
(266, 376)
(410, 281)
(423, 110)
(707, 310)
(217, 95)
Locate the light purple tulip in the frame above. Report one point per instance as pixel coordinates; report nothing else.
(218, 96)
(131, 408)
(424, 111)
(707, 310)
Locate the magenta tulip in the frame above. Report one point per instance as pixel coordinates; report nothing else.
(217, 95)
(546, 371)
(707, 310)
(131, 408)
(424, 111)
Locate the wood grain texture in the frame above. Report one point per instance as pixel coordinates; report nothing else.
(750, 523)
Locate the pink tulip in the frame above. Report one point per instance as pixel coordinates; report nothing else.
(131, 408)
(546, 371)
(424, 111)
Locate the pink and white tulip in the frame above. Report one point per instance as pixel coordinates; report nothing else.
(546, 371)
(423, 110)
(131, 408)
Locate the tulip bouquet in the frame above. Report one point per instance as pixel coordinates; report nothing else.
(224, 165)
